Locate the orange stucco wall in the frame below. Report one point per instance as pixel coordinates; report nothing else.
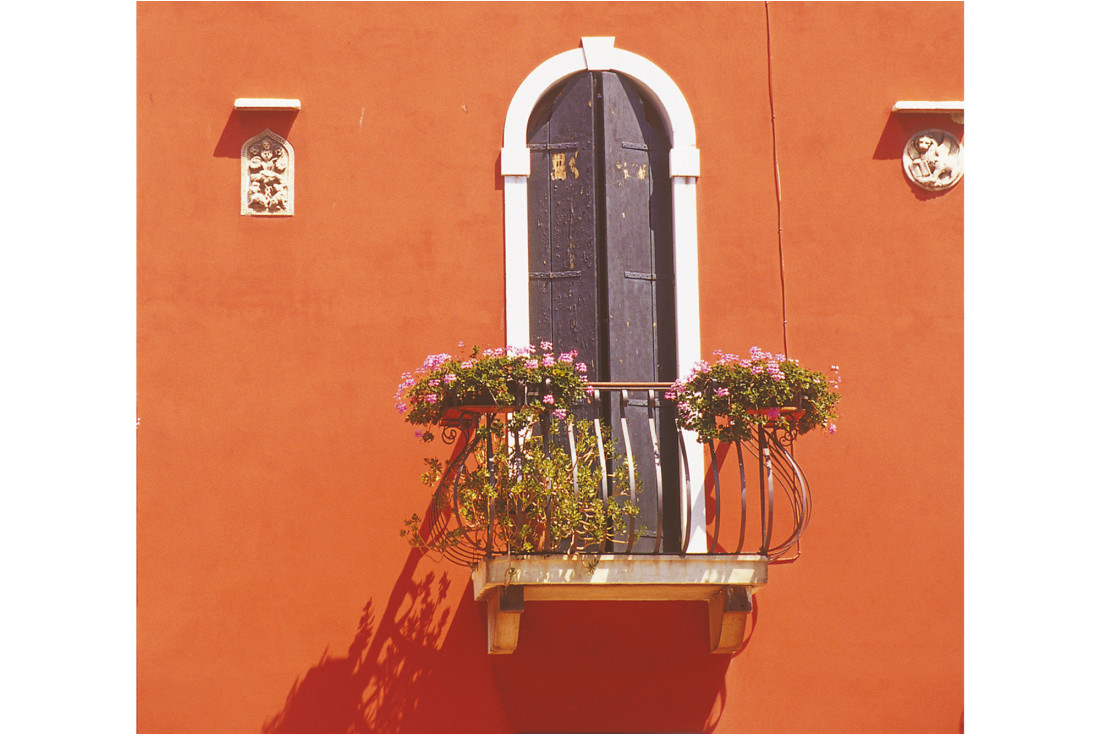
(274, 592)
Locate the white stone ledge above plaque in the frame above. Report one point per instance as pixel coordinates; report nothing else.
(954, 108)
(266, 103)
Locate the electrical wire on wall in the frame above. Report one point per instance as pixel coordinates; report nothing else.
(779, 229)
(778, 187)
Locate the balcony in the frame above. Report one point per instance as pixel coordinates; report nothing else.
(710, 520)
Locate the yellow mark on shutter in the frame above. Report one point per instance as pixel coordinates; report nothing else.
(573, 167)
(641, 171)
(557, 171)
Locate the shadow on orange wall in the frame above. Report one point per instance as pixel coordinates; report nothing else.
(421, 666)
(378, 683)
(242, 125)
(580, 667)
(613, 667)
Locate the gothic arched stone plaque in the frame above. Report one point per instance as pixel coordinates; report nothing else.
(267, 175)
(933, 160)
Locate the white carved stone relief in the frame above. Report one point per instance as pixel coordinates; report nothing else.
(933, 160)
(267, 175)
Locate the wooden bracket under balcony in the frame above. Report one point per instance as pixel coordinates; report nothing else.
(726, 582)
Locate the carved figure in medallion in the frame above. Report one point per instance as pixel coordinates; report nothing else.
(933, 160)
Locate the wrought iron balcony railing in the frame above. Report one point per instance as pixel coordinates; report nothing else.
(747, 498)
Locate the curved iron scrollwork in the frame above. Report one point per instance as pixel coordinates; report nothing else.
(449, 434)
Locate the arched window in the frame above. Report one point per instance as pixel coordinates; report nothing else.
(600, 277)
(599, 162)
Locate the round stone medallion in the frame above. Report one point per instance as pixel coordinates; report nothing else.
(933, 160)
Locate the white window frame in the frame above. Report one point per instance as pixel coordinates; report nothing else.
(599, 54)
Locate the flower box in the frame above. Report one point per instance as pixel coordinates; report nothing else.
(473, 406)
(773, 417)
(727, 400)
(525, 380)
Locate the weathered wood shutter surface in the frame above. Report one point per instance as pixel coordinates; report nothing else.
(563, 262)
(641, 315)
(601, 261)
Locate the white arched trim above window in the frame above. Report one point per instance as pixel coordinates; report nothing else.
(600, 54)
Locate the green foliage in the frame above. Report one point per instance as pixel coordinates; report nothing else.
(727, 400)
(529, 502)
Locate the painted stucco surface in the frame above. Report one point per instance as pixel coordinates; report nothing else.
(274, 592)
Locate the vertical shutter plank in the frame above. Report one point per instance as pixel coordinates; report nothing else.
(563, 263)
(538, 233)
(641, 316)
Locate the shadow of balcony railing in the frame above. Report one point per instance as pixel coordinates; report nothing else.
(757, 499)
